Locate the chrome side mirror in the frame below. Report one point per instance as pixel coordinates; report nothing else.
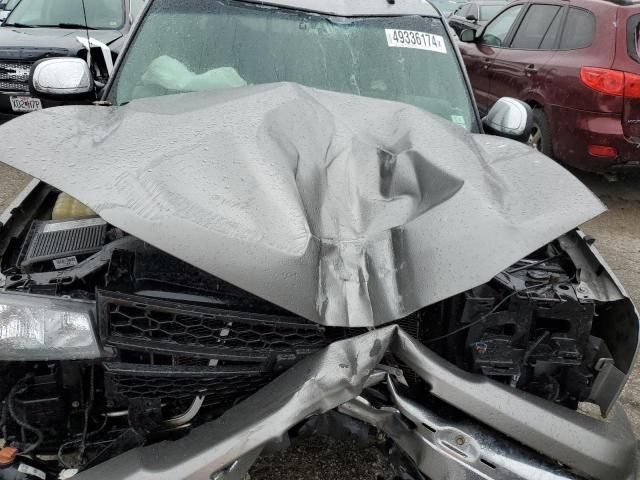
(61, 77)
(509, 118)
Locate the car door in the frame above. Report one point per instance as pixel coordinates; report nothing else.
(479, 56)
(519, 69)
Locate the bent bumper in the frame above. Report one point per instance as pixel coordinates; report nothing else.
(338, 374)
(445, 445)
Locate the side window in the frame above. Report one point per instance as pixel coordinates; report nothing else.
(633, 37)
(579, 29)
(551, 37)
(487, 12)
(637, 42)
(534, 27)
(497, 31)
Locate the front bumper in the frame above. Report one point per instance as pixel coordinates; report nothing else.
(446, 445)
(337, 375)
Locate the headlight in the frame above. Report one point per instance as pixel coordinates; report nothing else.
(42, 328)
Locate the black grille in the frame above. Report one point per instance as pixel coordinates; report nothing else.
(135, 317)
(175, 350)
(220, 384)
(15, 71)
(13, 86)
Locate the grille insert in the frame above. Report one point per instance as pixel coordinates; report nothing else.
(14, 76)
(13, 86)
(220, 384)
(134, 317)
(176, 350)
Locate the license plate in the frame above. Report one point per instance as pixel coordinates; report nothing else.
(25, 104)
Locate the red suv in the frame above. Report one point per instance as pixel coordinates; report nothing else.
(577, 63)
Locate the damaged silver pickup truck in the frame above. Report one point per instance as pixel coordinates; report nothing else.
(287, 210)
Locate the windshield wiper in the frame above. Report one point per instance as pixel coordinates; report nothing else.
(20, 25)
(72, 25)
(79, 26)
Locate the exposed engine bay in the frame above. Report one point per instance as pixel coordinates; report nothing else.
(179, 347)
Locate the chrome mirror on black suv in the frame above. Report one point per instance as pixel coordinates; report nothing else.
(509, 118)
(61, 77)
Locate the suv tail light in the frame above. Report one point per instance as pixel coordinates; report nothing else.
(603, 80)
(611, 82)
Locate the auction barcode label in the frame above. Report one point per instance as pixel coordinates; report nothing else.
(414, 39)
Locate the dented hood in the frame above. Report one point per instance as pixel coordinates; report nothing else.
(348, 211)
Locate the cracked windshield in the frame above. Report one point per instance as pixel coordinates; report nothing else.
(214, 45)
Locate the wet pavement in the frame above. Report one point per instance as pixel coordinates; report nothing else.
(11, 183)
(617, 234)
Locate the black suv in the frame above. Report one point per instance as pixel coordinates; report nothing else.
(38, 29)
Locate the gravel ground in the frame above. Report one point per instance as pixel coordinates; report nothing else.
(618, 238)
(323, 458)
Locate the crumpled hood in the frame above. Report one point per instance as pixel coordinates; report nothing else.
(348, 211)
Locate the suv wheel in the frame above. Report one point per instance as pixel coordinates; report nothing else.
(540, 137)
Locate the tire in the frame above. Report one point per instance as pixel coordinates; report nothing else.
(540, 137)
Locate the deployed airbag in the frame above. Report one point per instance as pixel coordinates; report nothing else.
(348, 211)
(171, 74)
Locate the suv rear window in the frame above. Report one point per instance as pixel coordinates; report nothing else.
(633, 37)
(579, 29)
(496, 32)
(551, 37)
